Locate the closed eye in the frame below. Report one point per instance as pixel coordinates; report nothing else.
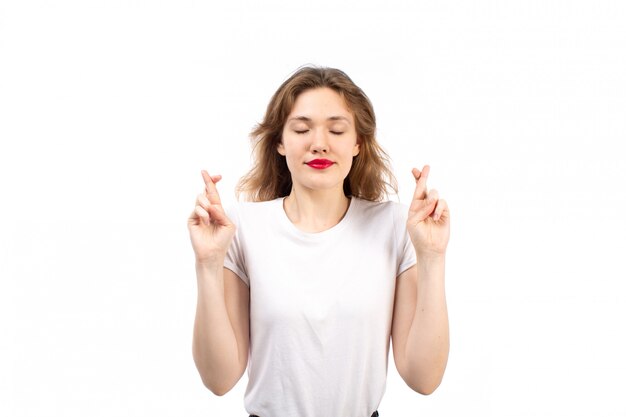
(301, 132)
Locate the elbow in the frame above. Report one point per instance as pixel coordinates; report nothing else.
(424, 385)
(424, 377)
(218, 384)
(425, 389)
(218, 381)
(217, 389)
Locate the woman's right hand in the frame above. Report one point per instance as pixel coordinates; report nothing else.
(211, 231)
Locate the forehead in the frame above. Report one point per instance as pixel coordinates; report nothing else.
(320, 103)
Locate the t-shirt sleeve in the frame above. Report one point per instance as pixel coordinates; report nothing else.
(405, 250)
(235, 257)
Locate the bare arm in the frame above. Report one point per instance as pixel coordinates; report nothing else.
(221, 328)
(420, 326)
(420, 330)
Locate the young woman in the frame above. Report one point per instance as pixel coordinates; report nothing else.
(305, 284)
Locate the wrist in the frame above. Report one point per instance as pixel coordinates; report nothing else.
(212, 260)
(430, 258)
(430, 264)
(209, 266)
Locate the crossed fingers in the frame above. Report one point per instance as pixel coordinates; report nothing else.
(425, 202)
(210, 189)
(210, 197)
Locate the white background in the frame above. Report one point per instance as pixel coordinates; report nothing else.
(110, 109)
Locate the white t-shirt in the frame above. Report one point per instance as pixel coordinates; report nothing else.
(321, 306)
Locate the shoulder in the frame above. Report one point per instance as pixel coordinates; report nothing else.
(388, 215)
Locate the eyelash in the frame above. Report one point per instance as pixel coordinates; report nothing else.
(301, 132)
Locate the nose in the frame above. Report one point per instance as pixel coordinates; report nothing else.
(319, 143)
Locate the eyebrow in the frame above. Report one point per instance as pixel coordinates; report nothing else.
(308, 119)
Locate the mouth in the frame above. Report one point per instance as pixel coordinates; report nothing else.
(320, 163)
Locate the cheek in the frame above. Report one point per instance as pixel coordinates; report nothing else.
(285, 146)
(293, 147)
(291, 153)
(350, 148)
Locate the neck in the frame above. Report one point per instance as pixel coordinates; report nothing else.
(316, 211)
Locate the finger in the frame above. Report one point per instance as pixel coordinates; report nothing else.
(432, 195)
(218, 216)
(211, 190)
(421, 209)
(215, 178)
(203, 201)
(441, 211)
(420, 179)
(201, 214)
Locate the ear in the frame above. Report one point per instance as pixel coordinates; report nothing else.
(280, 148)
(356, 149)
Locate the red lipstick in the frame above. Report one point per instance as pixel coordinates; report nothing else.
(320, 163)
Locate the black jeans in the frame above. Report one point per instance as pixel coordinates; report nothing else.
(375, 414)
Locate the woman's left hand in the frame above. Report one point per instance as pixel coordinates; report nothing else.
(428, 222)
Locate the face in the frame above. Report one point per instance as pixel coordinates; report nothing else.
(319, 140)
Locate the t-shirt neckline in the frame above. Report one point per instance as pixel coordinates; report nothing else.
(292, 228)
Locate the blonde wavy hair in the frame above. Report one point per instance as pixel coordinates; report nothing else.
(370, 176)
